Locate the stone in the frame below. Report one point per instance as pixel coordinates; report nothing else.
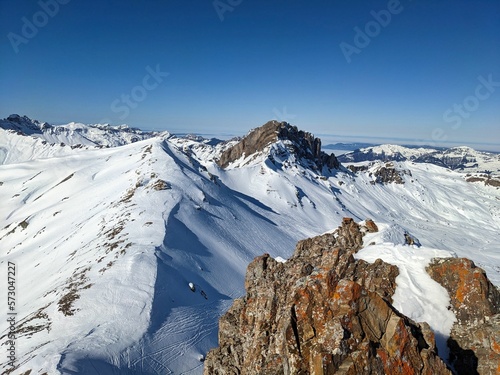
(322, 312)
(371, 226)
(475, 337)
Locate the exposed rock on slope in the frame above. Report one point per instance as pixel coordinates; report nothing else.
(322, 312)
(488, 180)
(475, 337)
(388, 174)
(382, 173)
(302, 144)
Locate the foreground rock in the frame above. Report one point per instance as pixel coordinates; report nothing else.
(322, 312)
(475, 337)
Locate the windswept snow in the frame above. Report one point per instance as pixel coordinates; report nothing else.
(417, 295)
(107, 242)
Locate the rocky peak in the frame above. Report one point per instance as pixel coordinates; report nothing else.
(322, 312)
(302, 144)
(325, 312)
(23, 124)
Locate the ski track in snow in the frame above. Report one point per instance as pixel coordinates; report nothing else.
(132, 250)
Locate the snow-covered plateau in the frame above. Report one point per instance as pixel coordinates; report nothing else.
(128, 246)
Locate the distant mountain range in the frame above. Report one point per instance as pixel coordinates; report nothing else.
(130, 245)
(464, 159)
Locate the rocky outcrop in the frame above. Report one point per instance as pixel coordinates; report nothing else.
(371, 226)
(475, 337)
(322, 312)
(382, 173)
(302, 144)
(389, 173)
(487, 179)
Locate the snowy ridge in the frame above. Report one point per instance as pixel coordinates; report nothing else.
(17, 149)
(462, 158)
(394, 150)
(107, 241)
(386, 152)
(74, 134)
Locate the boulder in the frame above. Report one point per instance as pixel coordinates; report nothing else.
(475, 337)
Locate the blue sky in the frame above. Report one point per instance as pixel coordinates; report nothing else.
(424, 71)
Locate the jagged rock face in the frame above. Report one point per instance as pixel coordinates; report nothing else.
(303, 144)
(322, 312)
(24, 125)
(475, 338)
(472, 295)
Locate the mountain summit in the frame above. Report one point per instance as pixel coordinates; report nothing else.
(287, 139)
(128, 250)
(75, 134)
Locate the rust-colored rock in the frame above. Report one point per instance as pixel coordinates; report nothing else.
(371, 226)
(322, 312)
(472, 295)
(475, 301)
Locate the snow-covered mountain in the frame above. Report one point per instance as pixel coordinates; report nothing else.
(126, 256)
(464, 159)
(25, 139)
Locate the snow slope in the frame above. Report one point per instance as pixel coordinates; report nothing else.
(72, 134)
(107, 242)
(462, 158)
(417, 295)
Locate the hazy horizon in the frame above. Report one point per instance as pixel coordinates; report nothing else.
(421, 71)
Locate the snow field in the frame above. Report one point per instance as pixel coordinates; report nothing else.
(93, 217)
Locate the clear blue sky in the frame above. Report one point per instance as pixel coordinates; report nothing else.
(234, 67)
